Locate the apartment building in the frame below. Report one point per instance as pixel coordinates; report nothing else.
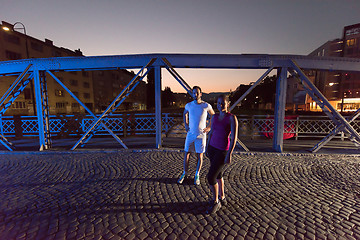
(342, 89)
(109, 84)
(96, 89)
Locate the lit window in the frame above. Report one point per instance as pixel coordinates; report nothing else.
(350, 42)
(59, 93)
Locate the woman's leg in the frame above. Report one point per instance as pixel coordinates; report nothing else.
(221, 190)
(215, 191)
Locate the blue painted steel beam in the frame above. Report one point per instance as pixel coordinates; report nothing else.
(177, 76)
(216, 61)
(242, 98)
(338, 118)
(279, 113)
(85, 107)
(158, 106)
(14, 85)
(219, 61)
(114, 103)
(336, 130)
(39, 110)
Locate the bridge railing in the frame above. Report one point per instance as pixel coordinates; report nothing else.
(253, 126)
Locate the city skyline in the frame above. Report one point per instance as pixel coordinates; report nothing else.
(135, 27)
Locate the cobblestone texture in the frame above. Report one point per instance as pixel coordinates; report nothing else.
(134, 195)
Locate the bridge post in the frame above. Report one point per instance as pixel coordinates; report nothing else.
(279, 114)
(39, 110)
(158, 118)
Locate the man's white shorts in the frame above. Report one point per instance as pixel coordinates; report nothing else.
(193, 140)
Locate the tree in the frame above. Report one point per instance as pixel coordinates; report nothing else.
(167, 97)
(260, 95)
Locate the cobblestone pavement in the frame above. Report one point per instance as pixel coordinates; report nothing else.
(134, 195)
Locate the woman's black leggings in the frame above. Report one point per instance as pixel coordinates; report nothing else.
(217, 158)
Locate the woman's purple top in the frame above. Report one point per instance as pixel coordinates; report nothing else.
(221, 132)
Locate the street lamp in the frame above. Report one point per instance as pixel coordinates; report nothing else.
(13, 28)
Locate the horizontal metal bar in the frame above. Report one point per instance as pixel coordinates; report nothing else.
(219, 61)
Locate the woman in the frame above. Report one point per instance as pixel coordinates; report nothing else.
(219, 149)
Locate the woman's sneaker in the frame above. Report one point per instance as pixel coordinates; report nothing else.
(181, 179)
(223, 201)
(214, 207)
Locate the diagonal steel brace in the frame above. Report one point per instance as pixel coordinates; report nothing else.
(332, 134)
(86, 108)
(339, 119)
(114, 103)
(177, 76)
(243, 96)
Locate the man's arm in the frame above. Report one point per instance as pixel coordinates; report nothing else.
(186, 119)
(208, 127)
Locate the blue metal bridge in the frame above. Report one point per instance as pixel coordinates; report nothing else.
(36, 70)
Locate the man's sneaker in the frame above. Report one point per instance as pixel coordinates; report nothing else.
(214, 207)
(197, 180)
(223, 201)
(181, 179)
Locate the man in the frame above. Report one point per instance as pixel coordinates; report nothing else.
(195, 115)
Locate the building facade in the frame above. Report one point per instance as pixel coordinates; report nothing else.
(342, 89)
(94, 88)
(109, 84)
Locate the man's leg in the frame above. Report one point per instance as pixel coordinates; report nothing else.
(198, 168)
(186, 161)
(186, 167)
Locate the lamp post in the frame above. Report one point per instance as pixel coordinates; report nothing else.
(13, 28)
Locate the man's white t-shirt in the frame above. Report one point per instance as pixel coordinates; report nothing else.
(197, 117)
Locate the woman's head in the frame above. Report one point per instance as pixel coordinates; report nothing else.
(223, 103)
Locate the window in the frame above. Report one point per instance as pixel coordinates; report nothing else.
(87, 95)
(76, 94)
(86, 85)
(27, 93)
(18, 105)
(351, 42)
(60, 105)
(56, 53)
(75, 105)
(59, 93)
(85, 74)
(12, 38)
(73, 82)
(36, 46)
(12, 55)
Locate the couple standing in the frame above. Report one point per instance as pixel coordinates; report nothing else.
(218, 146)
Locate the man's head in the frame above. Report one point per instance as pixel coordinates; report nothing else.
(196, 90)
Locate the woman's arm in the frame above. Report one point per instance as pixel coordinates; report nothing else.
(234, 134)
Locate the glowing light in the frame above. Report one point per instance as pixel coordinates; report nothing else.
(331, 84)
(6, 28)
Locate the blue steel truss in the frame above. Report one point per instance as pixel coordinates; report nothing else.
(35, 69)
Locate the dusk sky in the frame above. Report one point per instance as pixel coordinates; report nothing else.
(116, 27)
